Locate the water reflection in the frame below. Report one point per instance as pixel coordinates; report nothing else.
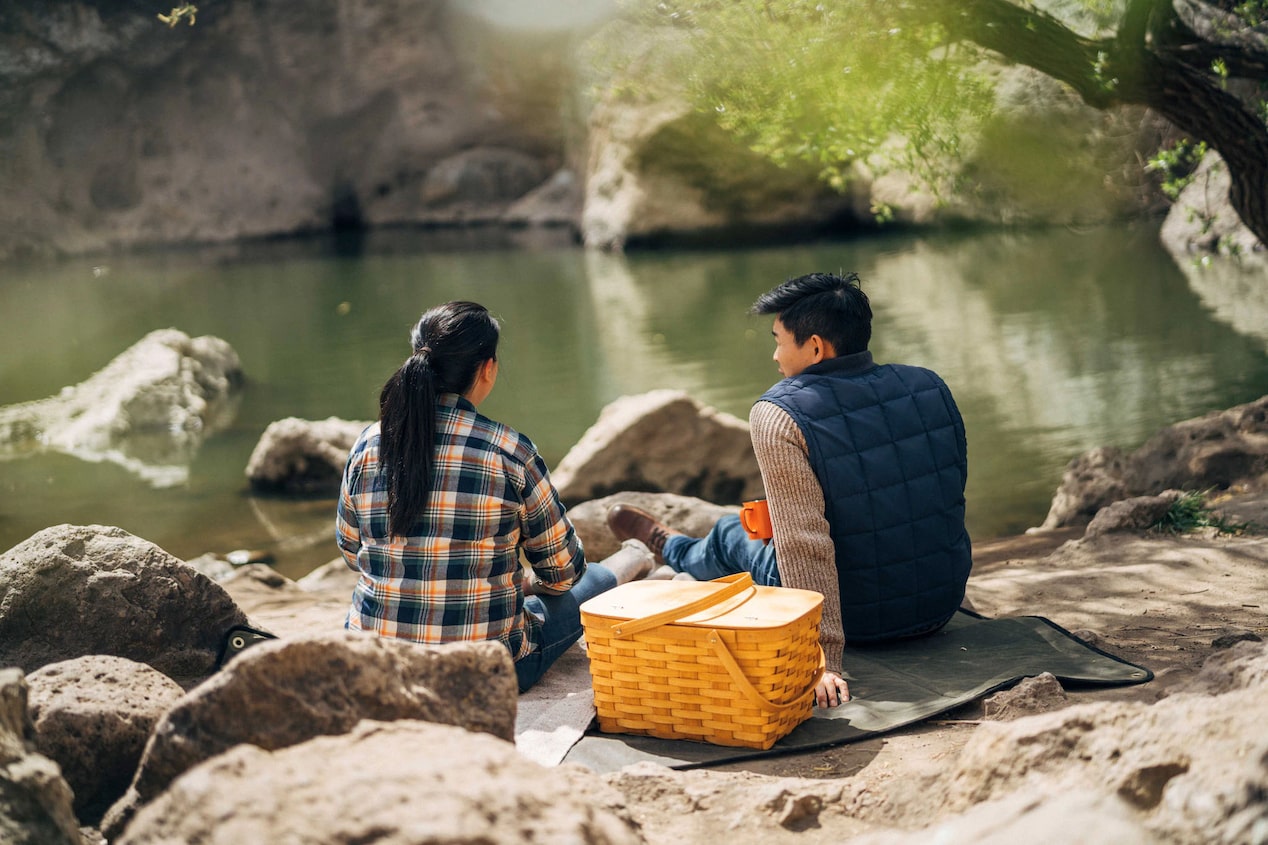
(147, 411)
(1234, 289)
(1053, 343)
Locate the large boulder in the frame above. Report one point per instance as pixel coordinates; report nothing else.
(657, 169)
(93, 715)
(1188, 768)
(35, 801)
(662, 442)
(1224, 262)
(1219, 450)
(76, 590)
(693, 517)
(148, 410)
(1134, 514)
(1194, 768)
(1203, 222)
(660, 171)
(334, 576)
(302, 456)
(1074, 815)
(284, 692)
(406, 783)
(467, 181)
(1042, 156)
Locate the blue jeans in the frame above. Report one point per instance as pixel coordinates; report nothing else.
(725, 551)
(561, 622)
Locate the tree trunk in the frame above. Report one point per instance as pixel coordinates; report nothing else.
(1147, 63)
(1228, 127)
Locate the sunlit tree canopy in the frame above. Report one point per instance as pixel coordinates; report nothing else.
(834, 82)
(797, 80)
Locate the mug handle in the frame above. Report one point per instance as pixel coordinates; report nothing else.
(748, 529)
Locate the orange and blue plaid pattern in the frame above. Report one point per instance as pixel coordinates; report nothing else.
(455, 575)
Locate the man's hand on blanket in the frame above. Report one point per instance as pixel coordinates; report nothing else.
(831, 690)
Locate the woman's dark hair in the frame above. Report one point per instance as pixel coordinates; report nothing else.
(833, 307)
(450, 343)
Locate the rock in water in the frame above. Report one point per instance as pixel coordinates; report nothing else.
(662, 442)
(148, 410)
(302, 457)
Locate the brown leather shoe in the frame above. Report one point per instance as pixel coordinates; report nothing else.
(628, 522)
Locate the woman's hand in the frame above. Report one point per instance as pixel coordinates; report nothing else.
(530, 585)
(831, 690)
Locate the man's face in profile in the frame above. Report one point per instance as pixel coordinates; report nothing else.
(792, 357)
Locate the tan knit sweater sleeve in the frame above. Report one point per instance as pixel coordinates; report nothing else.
(803, 544)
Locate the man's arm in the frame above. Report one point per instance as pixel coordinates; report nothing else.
(803, 545)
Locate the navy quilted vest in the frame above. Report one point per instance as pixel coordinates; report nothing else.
(887, 444)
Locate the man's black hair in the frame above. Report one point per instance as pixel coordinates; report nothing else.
(833, 307)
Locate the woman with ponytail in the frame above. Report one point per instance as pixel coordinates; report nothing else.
(439, 503)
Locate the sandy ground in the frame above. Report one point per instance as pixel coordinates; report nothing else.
(1154, 599)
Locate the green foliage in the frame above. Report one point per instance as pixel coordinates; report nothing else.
(187, 11)
(1100, 70)
(1220, 68)
(1177, 164)
(1190, 513)
(1254, 12)
(801, 81)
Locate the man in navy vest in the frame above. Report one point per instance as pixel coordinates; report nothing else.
(864, 467)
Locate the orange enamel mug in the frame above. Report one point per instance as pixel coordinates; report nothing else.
(755, 517)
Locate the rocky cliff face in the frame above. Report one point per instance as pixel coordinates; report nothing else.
(273, 117)
(268, 117)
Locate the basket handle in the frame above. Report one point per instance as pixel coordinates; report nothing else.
(746, 686)
(735, 584)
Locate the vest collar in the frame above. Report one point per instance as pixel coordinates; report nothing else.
(846, 365)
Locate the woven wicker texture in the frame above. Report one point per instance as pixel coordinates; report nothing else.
(724, 662)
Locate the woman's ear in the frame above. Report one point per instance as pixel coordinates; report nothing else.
(486, 376)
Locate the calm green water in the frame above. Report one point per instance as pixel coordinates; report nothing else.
(1052, 342)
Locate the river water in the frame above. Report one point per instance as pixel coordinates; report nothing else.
(1053, 342)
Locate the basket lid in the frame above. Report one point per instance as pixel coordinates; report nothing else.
(755, 608)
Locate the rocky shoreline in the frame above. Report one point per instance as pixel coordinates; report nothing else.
(125, 716)
(215, 757)
(118, 723)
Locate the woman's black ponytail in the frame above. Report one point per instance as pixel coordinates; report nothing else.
(450, 343)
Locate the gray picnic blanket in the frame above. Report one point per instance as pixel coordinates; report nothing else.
(892, 685)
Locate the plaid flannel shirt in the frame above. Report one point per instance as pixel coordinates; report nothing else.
(455, 575)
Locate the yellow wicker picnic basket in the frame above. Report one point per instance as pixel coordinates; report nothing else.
(725, 661)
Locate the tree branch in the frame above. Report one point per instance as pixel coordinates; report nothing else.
(1136, 26)
(1150, 62)
(1203, 34)
(1027, 36)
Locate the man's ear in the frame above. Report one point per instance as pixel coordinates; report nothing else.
(816, 348)
(822, 349)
